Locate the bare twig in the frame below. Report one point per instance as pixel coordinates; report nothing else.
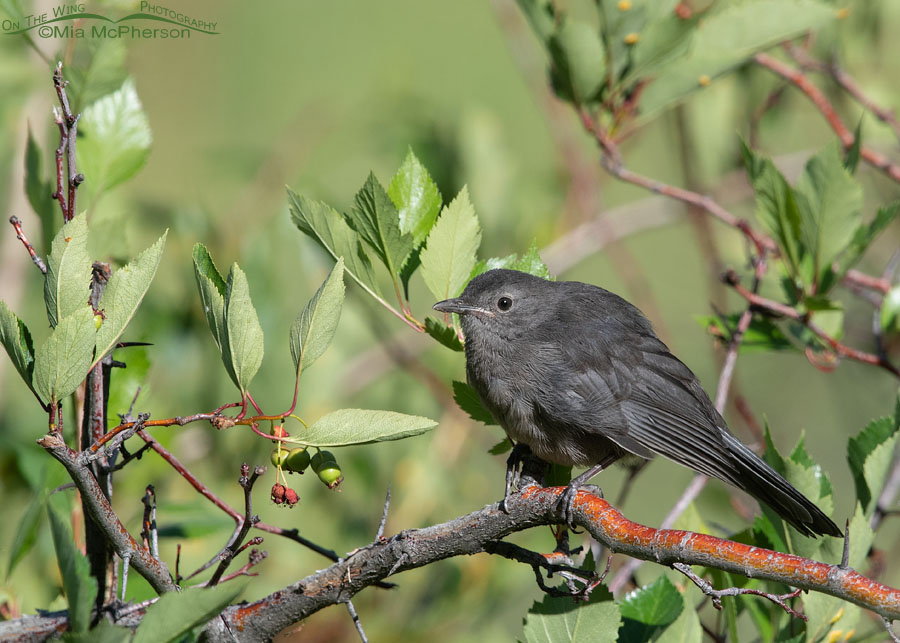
(149, 532)
(718, 594)
(246, 481)
(17, 224)
(379, 533)
(356, 622)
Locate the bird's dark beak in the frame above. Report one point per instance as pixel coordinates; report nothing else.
(457, 305)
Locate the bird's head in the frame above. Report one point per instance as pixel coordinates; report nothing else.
(500, 302)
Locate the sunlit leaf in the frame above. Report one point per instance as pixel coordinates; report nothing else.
(377, 221)
(416, 198)
(449, 254)
(123, 295)
(63, 360)
(316, 324)
(245, 335)
(16, 339)
(359, 426)
(177, 613)
(67, 284)
(561, 620)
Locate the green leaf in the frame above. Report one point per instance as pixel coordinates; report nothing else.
(212, 296)
(851, 159)
(123, 295)
(16, 339)
(416, 198)
(443, 333)
(684, 629)
(761, 335)
(329, 229)
(540, 15)
(67, 284)
(37, 189)
(245, 335)
(314, 327)
(889, 318)
(776, 209)
(648, 609)
(830, 203)
(62, 362)
(659, 42)
(865, 235)
(725, 39)
(560, 619)
(359, 426)
(501, 447)
(177, 613)
(869, 455)
(467, 399)
(27, 527)
(105, 632)
(79, 585)
(376, 220)
(530, 262)
(579, 62)
(113, 139)
(449, 255)
(103, 74)
(828, 614)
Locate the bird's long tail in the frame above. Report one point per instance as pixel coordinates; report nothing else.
(766, 485)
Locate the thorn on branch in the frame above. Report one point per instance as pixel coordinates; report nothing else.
(718, 594)
(379, 533)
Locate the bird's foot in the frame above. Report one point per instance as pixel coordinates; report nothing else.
(513, 470)
(567, 501)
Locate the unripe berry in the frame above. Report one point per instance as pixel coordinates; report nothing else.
(297, 460)
(278, 457)
(320, 458)
(330, 473)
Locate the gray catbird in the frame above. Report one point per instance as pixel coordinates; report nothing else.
(577, 374)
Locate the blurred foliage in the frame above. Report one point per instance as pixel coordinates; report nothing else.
(317, 96)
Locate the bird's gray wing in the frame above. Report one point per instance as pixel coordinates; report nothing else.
(660, 406)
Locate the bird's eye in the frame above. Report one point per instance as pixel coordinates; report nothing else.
(504, 303)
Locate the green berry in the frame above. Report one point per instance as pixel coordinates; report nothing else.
(278, 457)
(321, 458)
(890, 312)
(297, 460)
(331, 474)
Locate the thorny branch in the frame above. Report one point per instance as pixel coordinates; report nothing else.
(67, 122)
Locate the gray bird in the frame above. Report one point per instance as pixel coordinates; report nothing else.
(577, 374)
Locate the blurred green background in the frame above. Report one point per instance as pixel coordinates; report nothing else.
(314, 95)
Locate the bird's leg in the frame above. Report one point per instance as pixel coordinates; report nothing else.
(567, 499)
(513, 467)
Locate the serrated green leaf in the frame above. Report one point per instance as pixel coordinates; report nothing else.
(869, 455)
(113, 139)
(212, 296)
(416, 197)
(662, 40)
(777, 210)
(314, 327)
(449, 255)
(245, 335)
(67, 283)
(123, 295)
(529, 262)
(725, 39)
(761, 335)
(865, 235)
(37, 189)
(647, 610)
(467, 399)
(176, 613)
(377, 221)
(579, 61)
(360, 426)
(16, 339)
(80, 587)
(63, 360)
(562, 620)
(443, 333)
(830, 203)
(329, 229)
